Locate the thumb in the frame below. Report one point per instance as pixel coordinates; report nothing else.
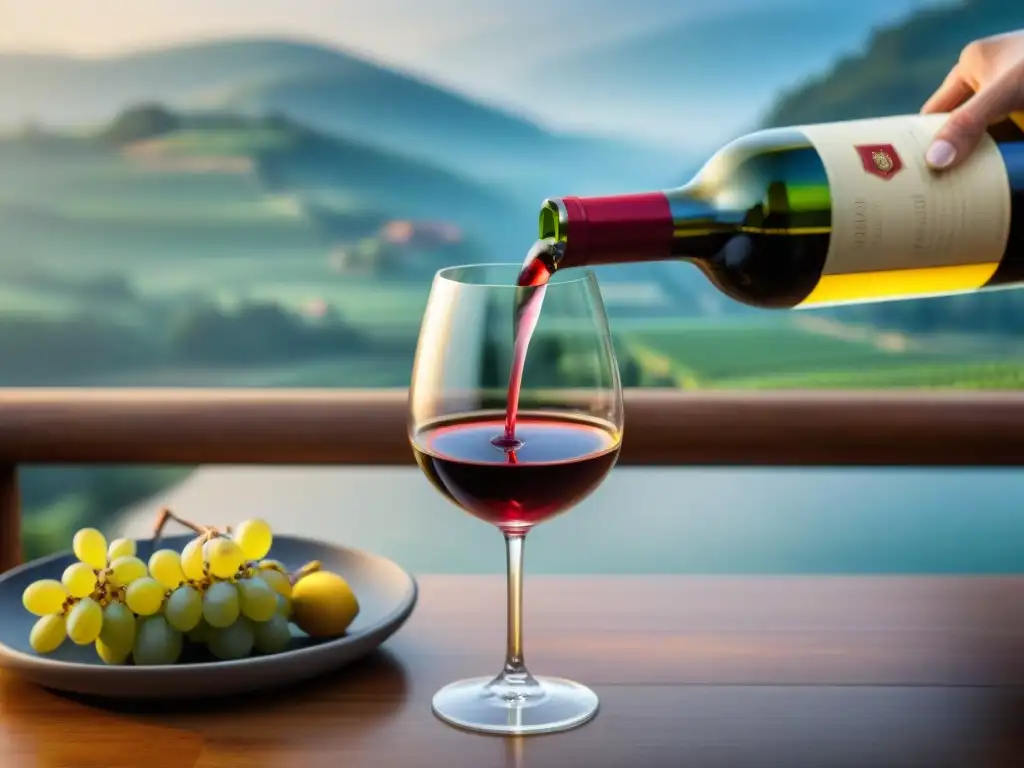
(965, 126)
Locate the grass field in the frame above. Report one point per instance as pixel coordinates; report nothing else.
(345, 371)
(790, 354)
(175, 233)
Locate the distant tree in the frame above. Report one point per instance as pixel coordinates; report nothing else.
(629, 371)
(277, 120)
(255, 333)
(142, 122)
(42, 350)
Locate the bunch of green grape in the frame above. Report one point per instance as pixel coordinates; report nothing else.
(219, 591)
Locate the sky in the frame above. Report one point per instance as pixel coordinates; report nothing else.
(482, 48)
(98, 27)
(474, 46)
(398, 29)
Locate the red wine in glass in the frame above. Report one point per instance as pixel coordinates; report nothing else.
(559, 461)
(550, 460)
(532, 284)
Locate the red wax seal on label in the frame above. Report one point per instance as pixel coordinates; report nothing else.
(880, 159)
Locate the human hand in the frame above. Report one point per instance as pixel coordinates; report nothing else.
(985, 86)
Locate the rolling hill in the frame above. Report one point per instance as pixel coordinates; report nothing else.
(392, 110)
(124, 251)
(151, 166)
(899, 68)
(408, 115)
(290, 158)
(330, 90)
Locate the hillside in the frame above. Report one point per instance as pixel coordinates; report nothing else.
(406, 115)
(288, 157)
(327, 89)
(899, 68)
(165, 208)
(394, 111)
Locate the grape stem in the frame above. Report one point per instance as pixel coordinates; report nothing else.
(310, 567)
(165, 515)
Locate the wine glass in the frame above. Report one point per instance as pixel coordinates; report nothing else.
(566, 439)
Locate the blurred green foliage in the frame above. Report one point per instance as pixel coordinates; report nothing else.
(815, 354)
(59, 501)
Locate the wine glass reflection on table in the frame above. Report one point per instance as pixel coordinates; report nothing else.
(565, 439)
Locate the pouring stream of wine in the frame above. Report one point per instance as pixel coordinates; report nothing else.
(529, 298)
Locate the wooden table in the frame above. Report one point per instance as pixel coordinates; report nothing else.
(775, 672)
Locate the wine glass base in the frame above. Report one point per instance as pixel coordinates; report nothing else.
(485, 704)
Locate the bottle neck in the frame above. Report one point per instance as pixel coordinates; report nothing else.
(649, 226)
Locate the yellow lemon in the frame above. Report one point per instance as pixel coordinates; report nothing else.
(323, 604)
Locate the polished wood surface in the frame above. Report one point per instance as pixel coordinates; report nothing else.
(663, 427)
(733, 672)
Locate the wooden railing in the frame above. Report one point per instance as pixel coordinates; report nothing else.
(663, 428)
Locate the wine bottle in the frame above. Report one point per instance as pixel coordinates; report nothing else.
(816, 215)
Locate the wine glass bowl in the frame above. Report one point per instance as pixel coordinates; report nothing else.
(559, 463)
(515, 468)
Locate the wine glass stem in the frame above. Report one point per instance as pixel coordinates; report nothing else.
(514, 664)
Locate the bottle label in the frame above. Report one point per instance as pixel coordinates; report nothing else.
(900, 228)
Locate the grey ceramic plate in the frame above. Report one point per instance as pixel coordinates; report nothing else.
(386, 594)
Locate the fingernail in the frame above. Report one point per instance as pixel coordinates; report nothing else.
(940, 154)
